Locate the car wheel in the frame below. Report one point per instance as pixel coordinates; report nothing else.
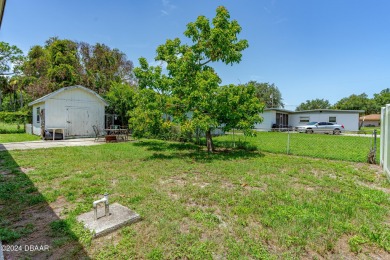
(309, 131)
(336, 132)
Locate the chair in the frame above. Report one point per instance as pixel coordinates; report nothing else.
(98, 133)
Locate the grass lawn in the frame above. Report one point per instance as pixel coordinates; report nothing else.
(369, 130)
(337, 147)
(11, 128)
(9, 138)
(231, 204)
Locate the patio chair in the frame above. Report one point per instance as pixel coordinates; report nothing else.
(98, 133)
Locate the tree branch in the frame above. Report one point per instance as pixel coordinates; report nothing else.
(202, 64)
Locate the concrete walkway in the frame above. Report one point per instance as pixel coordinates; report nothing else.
(48, 144)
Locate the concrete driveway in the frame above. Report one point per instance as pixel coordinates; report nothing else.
(48, 144)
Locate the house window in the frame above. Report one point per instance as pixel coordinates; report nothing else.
(304, 119)
(332, 119)
(38, 114)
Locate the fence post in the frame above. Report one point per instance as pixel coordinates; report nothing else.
(288, 141)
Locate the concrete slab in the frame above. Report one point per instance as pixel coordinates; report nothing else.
(119, 217)
(48, 144)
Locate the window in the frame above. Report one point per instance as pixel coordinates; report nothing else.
(38, 114)
(332, 119)
(304, 119)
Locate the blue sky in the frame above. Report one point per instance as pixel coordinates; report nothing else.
(308, 48)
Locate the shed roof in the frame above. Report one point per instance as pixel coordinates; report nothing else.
(372, 117)
(52, 94)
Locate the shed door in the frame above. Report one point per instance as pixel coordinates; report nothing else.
(77, 121)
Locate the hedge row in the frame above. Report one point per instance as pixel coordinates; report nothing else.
(14, 117)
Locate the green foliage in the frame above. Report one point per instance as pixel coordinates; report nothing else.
(147, 118)
(239, 107)
(14, 117)
(314, 104)
(356, 102)
(121, 98)
(268, 94)
(11, 57)
(104, 66)
(61, 62)
(381, 99)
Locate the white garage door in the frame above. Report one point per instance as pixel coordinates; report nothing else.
(78, 121)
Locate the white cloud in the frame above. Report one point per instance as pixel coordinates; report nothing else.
(168, 7)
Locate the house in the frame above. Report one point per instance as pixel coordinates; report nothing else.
(275, 117)
(370, 120)
(72, 110)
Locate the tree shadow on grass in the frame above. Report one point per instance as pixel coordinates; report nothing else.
(174, 150)
(30, 226)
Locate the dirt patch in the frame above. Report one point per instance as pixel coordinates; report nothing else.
(60, 206)
(373, 186)
(175, 180)
(342, 251)
(26, 169)
(39, 218)
(6, 172)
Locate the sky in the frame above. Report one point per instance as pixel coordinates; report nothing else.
(309, 49)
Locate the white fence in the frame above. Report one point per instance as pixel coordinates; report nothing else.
(385, 138)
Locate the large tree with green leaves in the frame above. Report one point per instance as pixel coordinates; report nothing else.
(191, 82)
(121, 98)
(381, 99)
(314, 104)
(11, 57)
(356, 102)
(62, 62)
(103, 66)
(268, 94)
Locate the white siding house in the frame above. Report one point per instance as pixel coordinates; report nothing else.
(75, 109)
(285, 118)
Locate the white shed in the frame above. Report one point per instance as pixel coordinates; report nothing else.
(74, 109)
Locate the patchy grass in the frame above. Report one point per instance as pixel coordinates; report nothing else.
(9, 138)
(232, 204)
(336, 147)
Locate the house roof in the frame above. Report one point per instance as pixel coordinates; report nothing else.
(329, 111)
(314, 111)
(372, 117)
(52, 94)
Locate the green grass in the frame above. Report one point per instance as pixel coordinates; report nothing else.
(337, 147)
(6, 128)
(9, 138)
(369, 130)
(231, 205)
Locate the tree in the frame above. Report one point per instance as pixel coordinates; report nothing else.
(314, 104)
(103, 65)
(11, 58)
(381, 99)
(121, 99)
(62, 62)
(268, 94)
(192, 84)
(356, 102)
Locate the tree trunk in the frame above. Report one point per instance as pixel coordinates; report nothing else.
(209, 141)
